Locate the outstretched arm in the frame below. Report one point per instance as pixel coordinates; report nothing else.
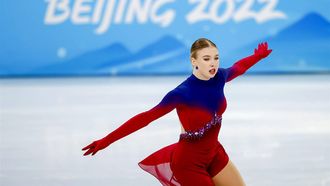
(241, 66)
(167, 104)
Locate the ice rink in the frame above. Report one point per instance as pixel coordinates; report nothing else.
(276, 129)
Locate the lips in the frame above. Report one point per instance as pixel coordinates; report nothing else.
(212, 71)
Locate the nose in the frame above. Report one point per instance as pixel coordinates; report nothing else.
(214, 62)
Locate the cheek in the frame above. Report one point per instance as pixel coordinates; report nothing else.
(204, 67)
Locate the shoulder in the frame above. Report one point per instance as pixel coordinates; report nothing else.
(179, 92)
(224, 72)
(182, 88)
(172, 97)
(176, 92)
(221, 71)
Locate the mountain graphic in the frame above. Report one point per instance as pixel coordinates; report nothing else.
(301, 47)
(86, 63)
(304, 46)
(164, 56)
(310, 26)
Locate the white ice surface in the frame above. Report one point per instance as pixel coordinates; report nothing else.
(276, 129)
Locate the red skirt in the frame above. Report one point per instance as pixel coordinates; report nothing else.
(158, 163)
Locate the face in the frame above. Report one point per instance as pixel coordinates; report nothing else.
(207, 62)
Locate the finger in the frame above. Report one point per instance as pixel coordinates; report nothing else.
(97, 148)
(88, 152)
(94, 153)
(266, 44)
(88, 146)
(268, 52)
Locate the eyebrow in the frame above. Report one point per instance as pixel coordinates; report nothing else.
(209, 55)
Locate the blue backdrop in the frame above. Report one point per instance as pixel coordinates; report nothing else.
(114, 37)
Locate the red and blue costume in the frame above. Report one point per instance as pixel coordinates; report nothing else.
(198, 155)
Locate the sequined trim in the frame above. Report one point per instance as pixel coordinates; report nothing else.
(195, 135)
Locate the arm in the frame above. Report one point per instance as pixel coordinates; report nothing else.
(241, 66)
(167, 104)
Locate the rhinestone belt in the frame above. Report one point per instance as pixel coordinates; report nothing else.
(194, 135)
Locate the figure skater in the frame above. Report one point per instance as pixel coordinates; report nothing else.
(198, 158)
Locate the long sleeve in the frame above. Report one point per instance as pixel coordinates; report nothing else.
(239, 67)
(166, 105)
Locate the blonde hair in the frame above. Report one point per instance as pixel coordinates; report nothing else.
(199, 44)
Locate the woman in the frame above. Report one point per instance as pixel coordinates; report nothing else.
(197, 158)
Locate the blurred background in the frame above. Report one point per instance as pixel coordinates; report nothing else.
(71, 71)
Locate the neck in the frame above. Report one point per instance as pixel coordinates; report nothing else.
(199, 76)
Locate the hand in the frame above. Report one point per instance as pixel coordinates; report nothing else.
(96, 146)
(262, 51)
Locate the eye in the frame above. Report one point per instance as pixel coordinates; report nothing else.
(217, 58)
(206, 59)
